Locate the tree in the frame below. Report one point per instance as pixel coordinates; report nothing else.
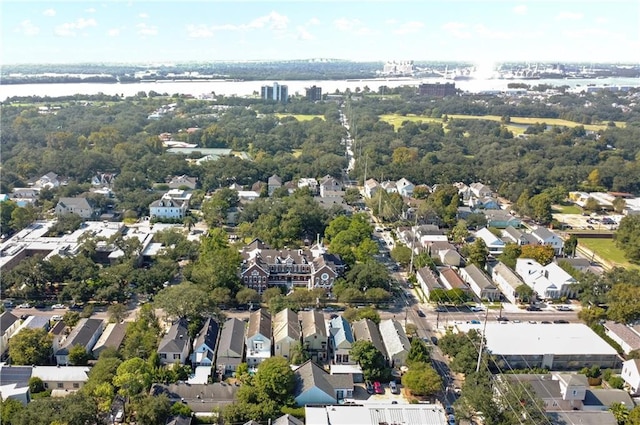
(620, 412)
(133, 376)
(117, 313)
(419, 352)
(592, 315)
(541, 208)
(270, 293)
(510, 254)
(298, 355)
(370, 360)
(10, 410)
(31, 347)
(78, 355)
(627, 238)
(624, 302)
(275, 380)
(355, 314)
(71, 318)
(570, 245)
(185, 300)
(543, 254)
(422, 380)
(152, 410)
(478, 253)
(619, 204)
(36, 385)
(401, 254)
(247, 295)
(524, 293)
(592, 205)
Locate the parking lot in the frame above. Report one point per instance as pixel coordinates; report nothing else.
(604, 223)
(360, 395)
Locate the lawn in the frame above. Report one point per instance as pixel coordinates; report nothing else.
(567, 209)
(396, 120)
(607, 250)
(300, 117)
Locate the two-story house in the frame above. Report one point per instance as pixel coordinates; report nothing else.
(314, 334)
(8, 326)
(494, 244)
(405, 188)
(80, 206)
(549, 282)
(330, 186)
(205, 344)
(85, 334)
(258, 339)
(395, 342)
(371, 186)
(286, 332)
(230, 346)
(173, 205)
(340, 340)
(545, 236)
(479, 283)
(274, 182)
(174, 346)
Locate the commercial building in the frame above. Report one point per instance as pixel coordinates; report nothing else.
(376, 414)
(437, 89)
(276, 92)
(313, 93)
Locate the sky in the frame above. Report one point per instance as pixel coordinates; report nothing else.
(480, 31)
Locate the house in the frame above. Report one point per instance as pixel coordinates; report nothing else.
(480, 190)
(376, 413)
(309, 183)
(183, 181)
(264, 267)
(315, 386)
(451, 280)
(545, 236)
(507, 280)
(371, 186)
(395, 341)
(340, 339)
(80, 206)
(314, 335)
(501, 219)
(172, 206)
(512, 235)
(104, 180)
(405, 188)
(50, 180)
(287, 420)
(179, 420)
(204, 345)
(14, 383)
(230, 346)
(367, 330)
(625, 336)
(580, 264)
(445, 253)
(494, 244)
(85, 334)
(479, 283)
(631, 375)
(9, 324)
(286, 332)
(428, 281)
(330, 187)
(201, 398)
(274, 182)
(174, 346)
(549, 282)
(62, 378)
(486, 203)
(258, 339)
(111, 337)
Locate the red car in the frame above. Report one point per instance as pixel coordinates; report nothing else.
(377, 387)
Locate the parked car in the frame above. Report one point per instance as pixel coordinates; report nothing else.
(369, 386)
(420, 312)
(58, 306)
(476, 308)
(441, 309)
(452, 420)
(394, 387)
(377, 387)
(56, 318)
(25, 305)
(533, 308)
(561, 321)
(449, 409)
(434, 340)
(475, 322)
(502, 319)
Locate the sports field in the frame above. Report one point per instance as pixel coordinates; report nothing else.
(607, 250)
(300, 117)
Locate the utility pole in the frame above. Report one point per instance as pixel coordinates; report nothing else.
(413, 239)
(484, 328)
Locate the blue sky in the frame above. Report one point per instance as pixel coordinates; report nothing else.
(171, 31)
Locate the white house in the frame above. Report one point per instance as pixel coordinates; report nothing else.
(405, 188)
(173, 205)
(631, 374)
(258, 340)
(479, 283)
(494, 244)
(507, 280)
(204, 345)
(545, 236)
(340, 339)
(175, 345)
(371, 186)
(480, 190)
(286, 332)
(395, 341)
(86, 334)
(549, 282)
(8, 326)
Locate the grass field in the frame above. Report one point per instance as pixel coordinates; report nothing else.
(300, 117)
(567, 209)
(396, 120)
(607, 250)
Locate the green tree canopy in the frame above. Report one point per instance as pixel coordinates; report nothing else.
(31, 347)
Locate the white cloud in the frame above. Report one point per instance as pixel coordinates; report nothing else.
(521, 9)
(568, 16)
(354, 26)
(69, 29)
(49, 12)
(144, 29)
(143, 15)
(485, 32)
(303, 34)
(113, 32)
(273, 21)
(90, 10)
(410, 27)
(457, 29)
(199, 31)
(588, 32)
(313, 21)
(28, 28)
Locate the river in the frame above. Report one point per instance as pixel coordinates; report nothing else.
(245, 88)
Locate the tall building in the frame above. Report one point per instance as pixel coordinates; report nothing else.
(437, 89)
(276, 92)
(314, 93)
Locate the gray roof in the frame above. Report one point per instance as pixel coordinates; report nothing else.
(287, 420)
(513, 232)
(606, 397)
(274, 180)
(286, 324)
(114, 339)
(82, 203)
(199, 397)
(367, 330)
(429, 278)
(310, 375)
(508, 275)
(478, 277)
(259, 323)
(340, 331)
(543, 385)
(543, 233)
(231, 343)
(38, 322)
(582, 418)
(208, 335)
(6, 321)
(179, 420)
(18, 375)
(394, 337)
(175, 339)
(80, 335)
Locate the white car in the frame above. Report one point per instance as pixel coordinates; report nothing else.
(25, 305)
(56, 318)
(477, 308)
(57, 306)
